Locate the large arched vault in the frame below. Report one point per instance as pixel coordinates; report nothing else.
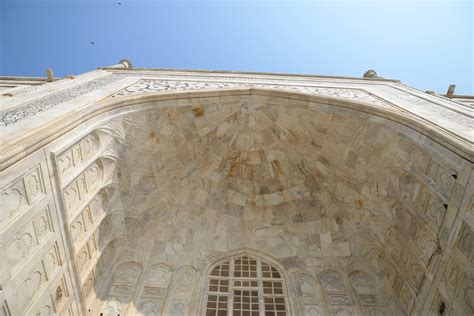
(132, 199)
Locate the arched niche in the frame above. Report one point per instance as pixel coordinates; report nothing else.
(123, 285)
(310, 145)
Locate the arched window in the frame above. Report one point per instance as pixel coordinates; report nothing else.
(245, 286)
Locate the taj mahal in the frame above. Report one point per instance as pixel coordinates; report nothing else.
(143, 191)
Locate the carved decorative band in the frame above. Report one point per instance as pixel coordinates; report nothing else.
(9, 117)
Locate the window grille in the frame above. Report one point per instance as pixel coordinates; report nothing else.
(245, 286)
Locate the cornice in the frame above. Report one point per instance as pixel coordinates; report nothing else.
(231, 72)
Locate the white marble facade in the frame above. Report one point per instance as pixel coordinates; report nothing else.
(141, 191)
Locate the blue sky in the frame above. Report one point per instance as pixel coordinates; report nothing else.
(423, 43)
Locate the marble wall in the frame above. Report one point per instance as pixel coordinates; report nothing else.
(127, 213)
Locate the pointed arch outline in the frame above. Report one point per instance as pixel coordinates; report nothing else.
(115, 107)
(215, 260)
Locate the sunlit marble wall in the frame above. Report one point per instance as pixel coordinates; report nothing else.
(127, 213)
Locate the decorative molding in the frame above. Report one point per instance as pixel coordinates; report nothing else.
(24, 111)
(419, 107)
(157, 85)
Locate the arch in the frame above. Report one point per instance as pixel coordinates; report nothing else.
(158, 275)
(336, 293)
(182, 290)
(205, 112)
(215, 259)
(108, 193)
(245, 281)
(128, 273)
(107, 256)
(185, 276)
(331, 281)
(108, 228)
(114, 107)
(155, 290)
(307, 286)
(269, 196)
(122, 287)
(365, 287)
(308, 291)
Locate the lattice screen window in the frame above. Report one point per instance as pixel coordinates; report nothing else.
(245, 286)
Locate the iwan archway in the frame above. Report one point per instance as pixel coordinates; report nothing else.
(305, 205)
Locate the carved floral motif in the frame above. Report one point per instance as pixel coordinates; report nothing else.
(19, 113)
(150, 85)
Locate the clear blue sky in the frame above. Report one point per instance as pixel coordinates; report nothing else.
(426, 44)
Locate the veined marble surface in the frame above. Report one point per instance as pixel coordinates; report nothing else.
(124, 198)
